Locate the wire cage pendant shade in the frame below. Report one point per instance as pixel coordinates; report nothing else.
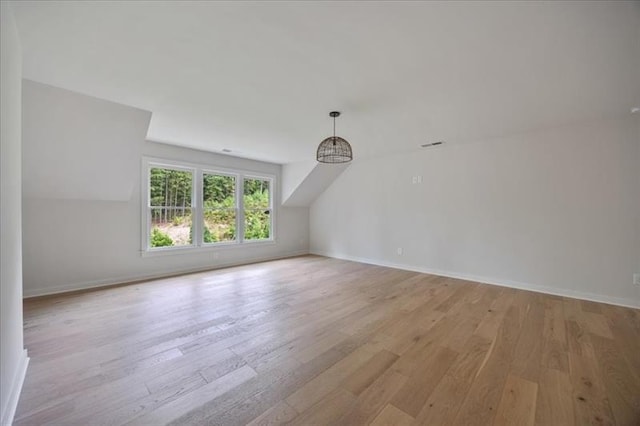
(334, 149)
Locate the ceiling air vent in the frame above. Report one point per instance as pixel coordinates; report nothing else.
(427, 145)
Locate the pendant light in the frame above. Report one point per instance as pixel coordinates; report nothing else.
(334, 149)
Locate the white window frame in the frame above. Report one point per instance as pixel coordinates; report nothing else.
(197, 206)
(146, 202)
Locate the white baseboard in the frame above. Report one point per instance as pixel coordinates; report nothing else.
(27, 293)
(9, 410)
(492, 281)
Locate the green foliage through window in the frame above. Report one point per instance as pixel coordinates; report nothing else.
(219, 195)
(208, 236)
(160, 239)
(257, 209)
(170, 192)
(170, 207)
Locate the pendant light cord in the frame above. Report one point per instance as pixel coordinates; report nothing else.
(334, 130)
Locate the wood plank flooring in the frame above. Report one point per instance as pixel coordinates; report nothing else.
(318, 341)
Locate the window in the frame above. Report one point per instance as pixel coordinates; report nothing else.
(190, 206)
(257, 209)
(220, 208)
(169, 210)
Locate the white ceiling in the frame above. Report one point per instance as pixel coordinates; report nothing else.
(261, 78)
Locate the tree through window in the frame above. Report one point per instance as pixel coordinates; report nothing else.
(170, 194)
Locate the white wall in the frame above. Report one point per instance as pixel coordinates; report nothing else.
(556, 211)
(73, 143)
(89, 241)
(13, 357)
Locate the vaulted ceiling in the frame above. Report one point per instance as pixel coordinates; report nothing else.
(260, 78)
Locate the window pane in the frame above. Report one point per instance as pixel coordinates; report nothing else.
(219, 195)
(257, 224)
(170, 199)
(219, 225)
(256, 194)
(218, 191)
(170, 226)
(170, 188)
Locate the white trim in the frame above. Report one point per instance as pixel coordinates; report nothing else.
(492, 281)
(27, 293)
(219, 246)
(16, 387)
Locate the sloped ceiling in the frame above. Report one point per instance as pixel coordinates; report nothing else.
(303, 182)
(260, 78)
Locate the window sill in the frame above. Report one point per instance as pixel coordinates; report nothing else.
(205, 249)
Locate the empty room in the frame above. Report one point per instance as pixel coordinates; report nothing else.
(320, 213)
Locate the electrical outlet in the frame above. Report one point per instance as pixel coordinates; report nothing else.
(216, 255)
(636, 279)
(399, 251)
(414, 180)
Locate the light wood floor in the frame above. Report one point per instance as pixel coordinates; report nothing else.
(312, 340)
